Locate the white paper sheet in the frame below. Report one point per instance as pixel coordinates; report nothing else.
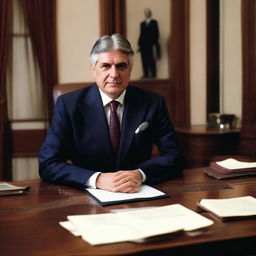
(234, 164)
(135, 225)
(231, 207)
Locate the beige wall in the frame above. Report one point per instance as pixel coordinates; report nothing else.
(197, 61)
(77, 29)
(231, 57)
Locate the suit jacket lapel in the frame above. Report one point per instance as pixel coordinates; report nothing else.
(132, 117)
(94, 115)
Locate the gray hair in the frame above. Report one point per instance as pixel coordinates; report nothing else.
(111, 43)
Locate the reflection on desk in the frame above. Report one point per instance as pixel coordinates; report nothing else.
(29, 224)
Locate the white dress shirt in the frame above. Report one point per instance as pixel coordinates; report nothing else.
(91, 182)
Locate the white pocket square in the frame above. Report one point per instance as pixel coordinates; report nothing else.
(142, 127)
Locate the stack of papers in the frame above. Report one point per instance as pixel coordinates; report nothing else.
(230, 168)
(9, 189)
(134, 225)
(230, 208)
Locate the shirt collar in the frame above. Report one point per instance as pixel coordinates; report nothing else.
(148, 20)
(106, 99)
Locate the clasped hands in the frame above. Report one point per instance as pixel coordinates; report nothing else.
(127, 181)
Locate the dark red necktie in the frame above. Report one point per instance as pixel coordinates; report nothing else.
(114, 125)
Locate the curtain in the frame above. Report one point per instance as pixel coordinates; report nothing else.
(24, 91)
(24, 87)
(5, 141)
(40, 16)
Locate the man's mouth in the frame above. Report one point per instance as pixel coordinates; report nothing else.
(114, 83)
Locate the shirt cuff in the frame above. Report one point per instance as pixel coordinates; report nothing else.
(143, 175)
(91, 182)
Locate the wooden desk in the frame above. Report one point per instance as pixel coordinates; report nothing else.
(29, 224)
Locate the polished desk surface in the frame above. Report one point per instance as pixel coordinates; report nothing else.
(29, 223)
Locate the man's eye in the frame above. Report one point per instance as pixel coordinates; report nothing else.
(105, 66)
(122, 66)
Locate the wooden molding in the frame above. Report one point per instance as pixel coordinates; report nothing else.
(248, 131)
(106, 17)
(212, 60)
(179, 68)
(120, 17)
(112, 17)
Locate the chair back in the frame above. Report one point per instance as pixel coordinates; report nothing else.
(60, 89)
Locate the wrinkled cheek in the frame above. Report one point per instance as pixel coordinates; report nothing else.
(105, 79)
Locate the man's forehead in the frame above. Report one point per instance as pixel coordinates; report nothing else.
(112, 57)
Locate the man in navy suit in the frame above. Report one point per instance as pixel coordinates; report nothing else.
(78, 151)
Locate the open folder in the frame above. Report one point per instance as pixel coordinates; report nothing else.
(104, 197)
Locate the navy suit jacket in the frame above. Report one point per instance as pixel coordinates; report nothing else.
(79, 132)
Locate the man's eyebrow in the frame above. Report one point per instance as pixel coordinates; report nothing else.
(117, 65)
(122, 63)
(105, 63)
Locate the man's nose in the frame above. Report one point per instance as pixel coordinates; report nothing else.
(114, 71)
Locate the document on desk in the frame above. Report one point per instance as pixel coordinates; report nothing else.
(10, 189)
(230, 208)
(135, 225)
(104, 197)
(230, 168)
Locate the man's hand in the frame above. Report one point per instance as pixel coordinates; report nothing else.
(127, 181)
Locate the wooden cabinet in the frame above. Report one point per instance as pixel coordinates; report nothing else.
(200, 145)
(248, 131)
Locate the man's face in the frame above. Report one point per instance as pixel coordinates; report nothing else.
(112, 72)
